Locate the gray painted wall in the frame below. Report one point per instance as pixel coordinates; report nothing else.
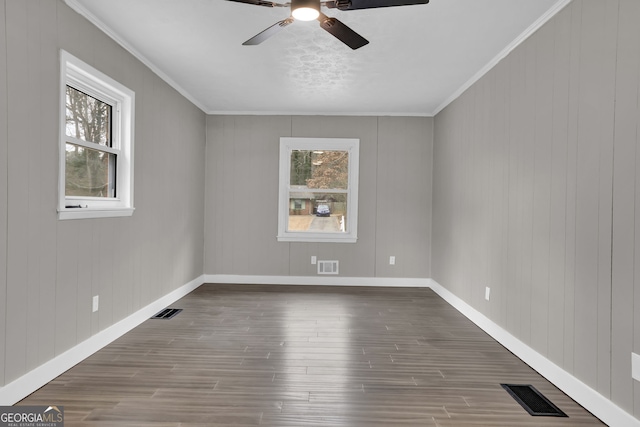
(535, 185)
(394, 210)
(50, 269)
(536, 182)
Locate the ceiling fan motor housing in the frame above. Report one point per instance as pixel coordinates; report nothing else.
(343, 4)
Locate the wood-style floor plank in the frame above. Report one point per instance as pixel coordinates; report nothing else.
(279, 356)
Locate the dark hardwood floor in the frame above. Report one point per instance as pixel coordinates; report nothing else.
(282, 356)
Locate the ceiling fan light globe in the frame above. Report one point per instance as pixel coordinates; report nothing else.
(305, 14)
(305, 10)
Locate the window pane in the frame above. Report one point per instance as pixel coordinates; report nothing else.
(320, 169)
(88, 118)
(89, 173)
(318, 212)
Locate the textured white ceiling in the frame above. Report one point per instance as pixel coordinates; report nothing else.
(419, 57)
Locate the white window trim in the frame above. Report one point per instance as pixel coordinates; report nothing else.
(287, 145)
(80, 75)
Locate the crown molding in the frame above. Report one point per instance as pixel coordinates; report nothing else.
(80, 9)
(553, 11)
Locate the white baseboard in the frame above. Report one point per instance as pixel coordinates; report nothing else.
(594, 402)
(317, 280)
(33, 380)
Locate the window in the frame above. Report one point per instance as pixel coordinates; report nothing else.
(318, 200)
(96, 143)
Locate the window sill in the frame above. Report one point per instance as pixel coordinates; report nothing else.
(318, 239)
(84, 213)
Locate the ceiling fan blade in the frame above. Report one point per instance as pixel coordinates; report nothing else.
(343, 33)
(275, 28)
(261, 3)
(369, 4)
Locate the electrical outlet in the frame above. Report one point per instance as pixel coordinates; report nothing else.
(487, 293)
(96, 303)
(392, 260)
(314, 260)
(635, 366)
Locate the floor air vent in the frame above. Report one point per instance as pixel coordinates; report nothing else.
(167, 313)
(327, 267)
(533, 401)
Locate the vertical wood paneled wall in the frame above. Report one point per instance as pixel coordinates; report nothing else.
(394, 209)
(536, 183)
(4, 167)
(50, 269)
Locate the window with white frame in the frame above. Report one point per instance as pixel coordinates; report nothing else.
(318, 199)
(96, 143)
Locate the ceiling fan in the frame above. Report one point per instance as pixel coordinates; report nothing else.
(308, 10)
